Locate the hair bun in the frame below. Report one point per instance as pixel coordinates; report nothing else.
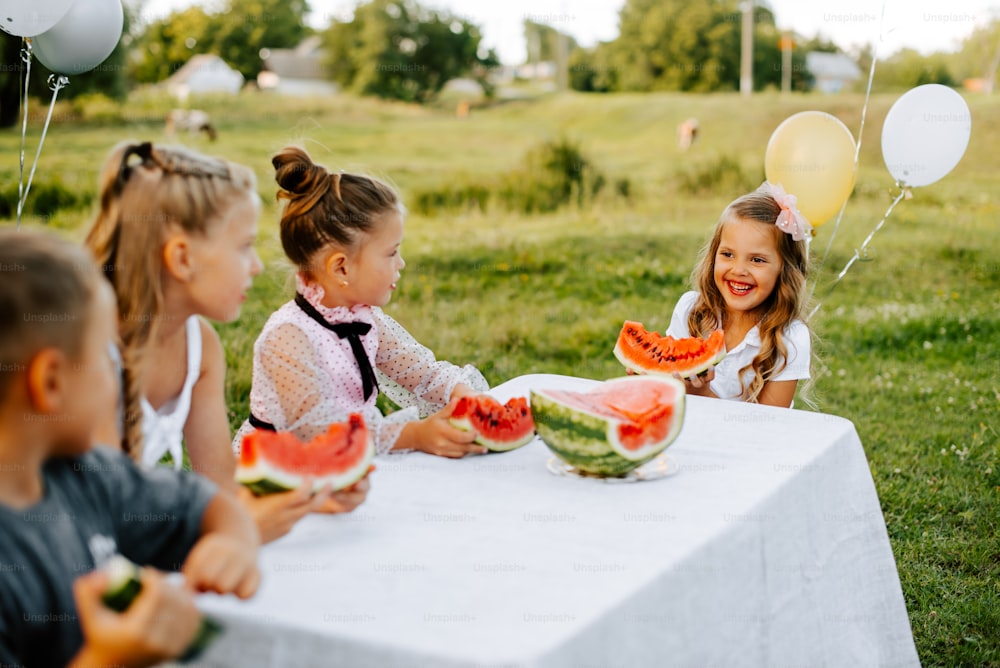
(296, 173)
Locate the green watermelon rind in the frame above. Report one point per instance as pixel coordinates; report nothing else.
(263, 479)
(124, 584)
(589, 442)
(493, 446)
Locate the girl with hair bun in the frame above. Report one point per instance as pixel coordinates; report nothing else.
(174, 235)
(329, 351)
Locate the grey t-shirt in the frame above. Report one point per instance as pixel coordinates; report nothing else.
(94, 506)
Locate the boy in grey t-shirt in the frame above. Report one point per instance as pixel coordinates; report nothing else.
(65, 507)
(94, 506)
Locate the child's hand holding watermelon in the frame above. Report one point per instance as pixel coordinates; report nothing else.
(160, 624)
(276, 514)
(436, 435)
(699, 383)
(346, 500)
(285, 478)
(499, 427)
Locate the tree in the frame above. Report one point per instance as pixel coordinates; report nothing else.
(593, 70)
(542, 42)
(908, 68)
(665, 44)
(694, 46)
(170, 42)
(245, 27)
(400, 50)
(236, 33)
(10, 75)
(979, 56)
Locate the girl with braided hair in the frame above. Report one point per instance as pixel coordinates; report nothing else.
(174, 235)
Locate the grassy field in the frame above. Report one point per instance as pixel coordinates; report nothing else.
(908, 342)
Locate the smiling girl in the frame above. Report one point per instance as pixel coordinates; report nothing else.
(750, 282)
(328, 352)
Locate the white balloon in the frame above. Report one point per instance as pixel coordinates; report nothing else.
(83, 38)
(27, 18)
(925, 134)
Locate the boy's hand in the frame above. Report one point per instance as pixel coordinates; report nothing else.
(223, 564)
(159, 625)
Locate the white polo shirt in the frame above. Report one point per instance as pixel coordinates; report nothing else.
(726, 383)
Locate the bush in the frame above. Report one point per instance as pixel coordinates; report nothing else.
(723, 175)
(44, 199)
(455, 195)
(553, 174)
(97, 108)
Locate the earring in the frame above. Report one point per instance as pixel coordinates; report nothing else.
(343, 284)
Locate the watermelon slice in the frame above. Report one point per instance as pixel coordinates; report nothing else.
(613, 428)
(648, 352)
(276, 461)
(125, 583)
(499, 427)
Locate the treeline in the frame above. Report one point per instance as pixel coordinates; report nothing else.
(400, 49)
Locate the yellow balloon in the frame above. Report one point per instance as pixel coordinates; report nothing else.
(811, 154)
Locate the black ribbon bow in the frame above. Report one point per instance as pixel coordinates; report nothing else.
(352, 331)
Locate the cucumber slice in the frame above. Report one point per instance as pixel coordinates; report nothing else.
(124, 585)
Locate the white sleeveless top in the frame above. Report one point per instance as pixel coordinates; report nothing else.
(163, 429)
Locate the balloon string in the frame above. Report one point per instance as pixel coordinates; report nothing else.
(56, 83)
(862, 250)
(861, 134)
(868, 90)
(857, 157)
(23, 85)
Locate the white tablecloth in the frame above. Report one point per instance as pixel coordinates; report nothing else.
(766, 548)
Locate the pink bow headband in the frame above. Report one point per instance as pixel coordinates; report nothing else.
(790, 220)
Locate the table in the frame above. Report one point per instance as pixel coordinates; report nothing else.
(766, 548)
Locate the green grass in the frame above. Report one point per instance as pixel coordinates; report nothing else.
(909, 342)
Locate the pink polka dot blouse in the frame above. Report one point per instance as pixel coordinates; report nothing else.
(306, 377)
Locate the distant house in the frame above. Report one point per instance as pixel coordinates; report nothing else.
(543, 70)
(204, 73)
(298, 71)
(832, 71)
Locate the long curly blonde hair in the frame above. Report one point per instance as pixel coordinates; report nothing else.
(785, 304)
(145, 189)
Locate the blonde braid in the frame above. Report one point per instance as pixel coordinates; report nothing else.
(139, 202)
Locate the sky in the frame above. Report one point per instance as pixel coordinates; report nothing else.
(925, 25)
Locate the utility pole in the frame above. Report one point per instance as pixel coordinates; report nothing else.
(562, 57)
(746, 55)
(562, 61)
(786, 62)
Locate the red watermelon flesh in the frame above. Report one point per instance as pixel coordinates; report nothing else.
(499, 427)
(278, 461)
(642, 351)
